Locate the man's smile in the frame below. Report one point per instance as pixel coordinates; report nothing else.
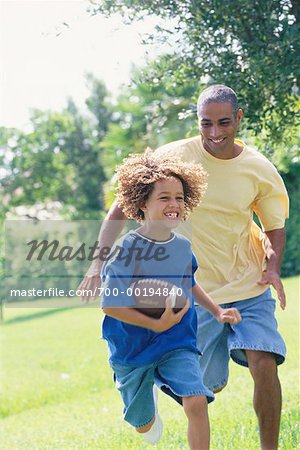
(217, 141)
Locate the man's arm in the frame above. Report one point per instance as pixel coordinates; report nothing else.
(111, 228)
(274, 244)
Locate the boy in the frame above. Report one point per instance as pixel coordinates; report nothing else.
(144, 351)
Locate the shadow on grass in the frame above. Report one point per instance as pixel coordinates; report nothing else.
(37, 315)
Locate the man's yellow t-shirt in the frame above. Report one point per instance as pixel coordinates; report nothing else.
(227, 242)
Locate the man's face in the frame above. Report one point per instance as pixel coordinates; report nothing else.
(218, 126)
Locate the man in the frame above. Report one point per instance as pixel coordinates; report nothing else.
(238, 261)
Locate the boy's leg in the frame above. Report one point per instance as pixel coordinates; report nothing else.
(195, 408)
(153, 434)
(153, 430)
(145, 428)
(179, 371)
(135, 385)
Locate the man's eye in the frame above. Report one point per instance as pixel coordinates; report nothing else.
(225, 124)
(205, 124)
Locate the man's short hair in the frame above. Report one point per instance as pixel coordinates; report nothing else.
(218, 93)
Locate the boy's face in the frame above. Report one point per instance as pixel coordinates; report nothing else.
(218, 126)
(165, 204)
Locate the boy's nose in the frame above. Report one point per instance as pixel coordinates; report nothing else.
(174, 202)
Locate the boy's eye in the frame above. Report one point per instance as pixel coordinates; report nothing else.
(180, 199)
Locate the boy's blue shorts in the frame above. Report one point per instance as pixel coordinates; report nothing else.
(218, 342)
(178, 371)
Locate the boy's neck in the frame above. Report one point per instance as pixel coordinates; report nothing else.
(155, 232)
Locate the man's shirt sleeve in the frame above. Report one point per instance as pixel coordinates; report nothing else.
(272, 203)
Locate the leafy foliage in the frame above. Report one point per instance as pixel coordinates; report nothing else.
(58, 160)
(148, 115)
(251, 46)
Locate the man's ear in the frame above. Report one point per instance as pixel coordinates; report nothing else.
(239, 116)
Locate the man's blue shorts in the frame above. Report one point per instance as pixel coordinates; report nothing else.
(177, 371)
(218, 342)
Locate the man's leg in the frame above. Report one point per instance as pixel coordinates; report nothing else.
(256, 343)
(195, 408)
(267, 396)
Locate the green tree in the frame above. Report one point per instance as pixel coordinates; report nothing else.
(59, 160)
(99, 104)
(55, 167)
(252, 46)
(148, 115)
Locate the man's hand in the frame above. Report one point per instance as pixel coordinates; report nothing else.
(272, 278)
(228, 315)
(168, 319)
(89, 287)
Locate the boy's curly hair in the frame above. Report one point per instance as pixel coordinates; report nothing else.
(138, 173)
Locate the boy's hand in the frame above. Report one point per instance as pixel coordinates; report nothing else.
(228, 315)
(168, 319)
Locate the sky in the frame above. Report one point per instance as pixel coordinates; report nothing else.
(46, 48)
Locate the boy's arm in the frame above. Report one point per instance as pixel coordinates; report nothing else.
(111, 228)
(134, 317)
(230, 315)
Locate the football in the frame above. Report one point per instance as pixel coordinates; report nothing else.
(151, 293)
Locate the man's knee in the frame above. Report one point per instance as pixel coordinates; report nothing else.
(262, 365)
(195, 405)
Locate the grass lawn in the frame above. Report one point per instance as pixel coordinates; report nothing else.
(57, 391)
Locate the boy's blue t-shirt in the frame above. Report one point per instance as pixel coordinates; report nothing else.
(136, 257)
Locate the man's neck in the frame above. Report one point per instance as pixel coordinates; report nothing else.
(229, 153)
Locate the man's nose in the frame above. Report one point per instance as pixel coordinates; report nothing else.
(214, 131)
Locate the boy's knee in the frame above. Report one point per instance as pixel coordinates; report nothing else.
(219, 389)
(145, 428)
(195, 405)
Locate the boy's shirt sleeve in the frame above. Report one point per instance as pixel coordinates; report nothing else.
(189, 277)
(117, 276)
(194, 268)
